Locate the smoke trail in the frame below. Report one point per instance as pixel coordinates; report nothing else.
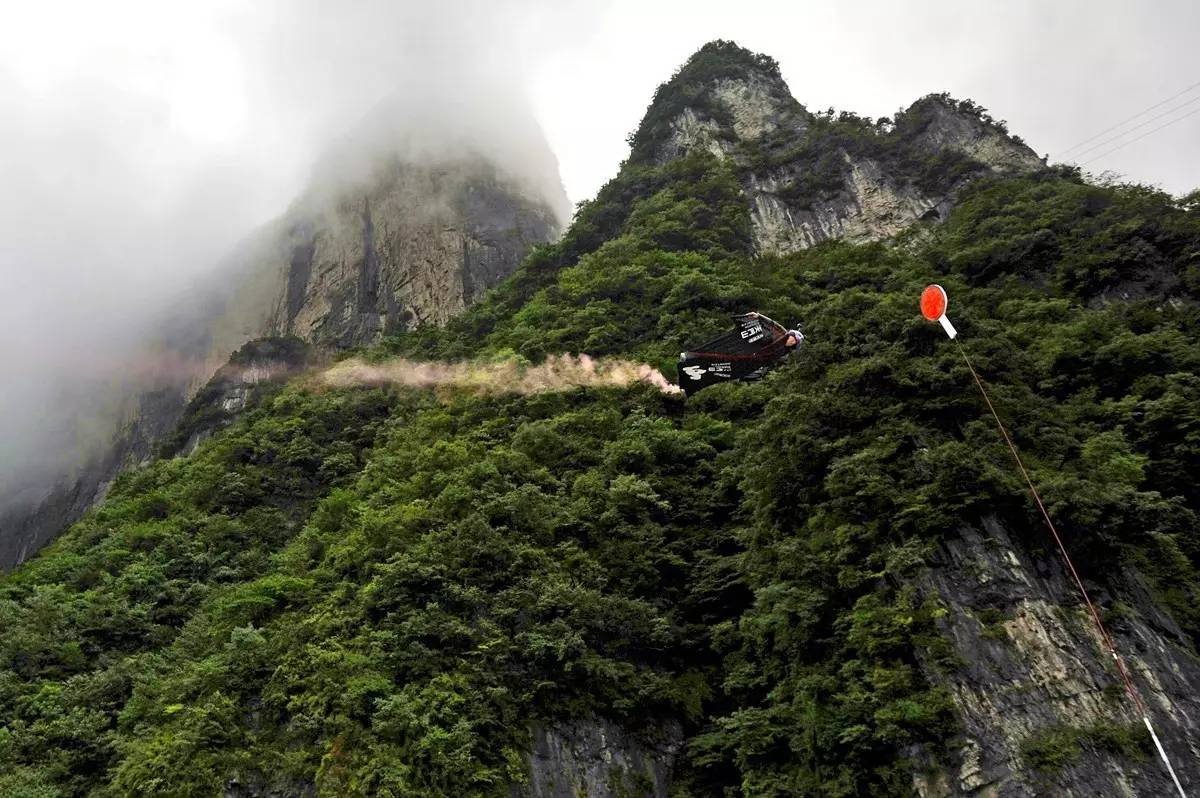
(556, 373)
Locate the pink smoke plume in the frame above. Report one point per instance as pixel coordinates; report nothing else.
(556, 373)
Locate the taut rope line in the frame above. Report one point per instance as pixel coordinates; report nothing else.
(1130, 687)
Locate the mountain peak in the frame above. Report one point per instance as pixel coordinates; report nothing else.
(726, 58)
(809, 177)
(938, 122)
(721, 95)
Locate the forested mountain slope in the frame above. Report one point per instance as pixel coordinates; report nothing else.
(830, 582)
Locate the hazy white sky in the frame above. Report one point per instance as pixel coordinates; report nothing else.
(140, 139)
(1058, 71)
(197, 87)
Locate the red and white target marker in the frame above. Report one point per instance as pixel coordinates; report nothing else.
(933, 307)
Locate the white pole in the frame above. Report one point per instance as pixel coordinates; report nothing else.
(947, 326)
(1163, 754)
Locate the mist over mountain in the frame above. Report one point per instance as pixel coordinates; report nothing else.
(460, 563)
(125, 202)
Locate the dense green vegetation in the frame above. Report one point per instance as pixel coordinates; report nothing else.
(96, 624)
(376, 592)
(1052, 748)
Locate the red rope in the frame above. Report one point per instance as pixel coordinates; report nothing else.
(1104, 635)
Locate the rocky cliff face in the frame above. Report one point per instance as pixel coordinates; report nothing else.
(1041, 706)
(599, 759)
(414, 246)
(809, 177)
(236, 387)
(730, 110)
(398, 243)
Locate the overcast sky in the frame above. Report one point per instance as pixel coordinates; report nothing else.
(140, 139)
(1058, 71)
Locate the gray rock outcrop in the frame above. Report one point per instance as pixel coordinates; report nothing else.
(416, 245)
(1032, 664)
(597, 758)
(807, 177)
(379, 242)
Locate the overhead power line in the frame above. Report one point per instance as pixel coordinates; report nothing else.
(1126, 132)
(1139, 138)
(1131, 118)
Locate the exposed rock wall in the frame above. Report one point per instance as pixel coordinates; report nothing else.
(235, 388)
(410, 244)
(1031, 661)
(747, 108)
(596, 758)
(863, 192)
(591, 758)
(414, 246)
(947, 128)
(875, 197)
(872, 205)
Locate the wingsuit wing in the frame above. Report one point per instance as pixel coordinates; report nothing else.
(743, 353)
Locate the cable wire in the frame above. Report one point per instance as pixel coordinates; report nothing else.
(1125, 133)
(1139, 138)
(1130, 119)
(1126, 678)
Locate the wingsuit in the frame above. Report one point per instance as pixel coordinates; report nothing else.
(744, 353)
